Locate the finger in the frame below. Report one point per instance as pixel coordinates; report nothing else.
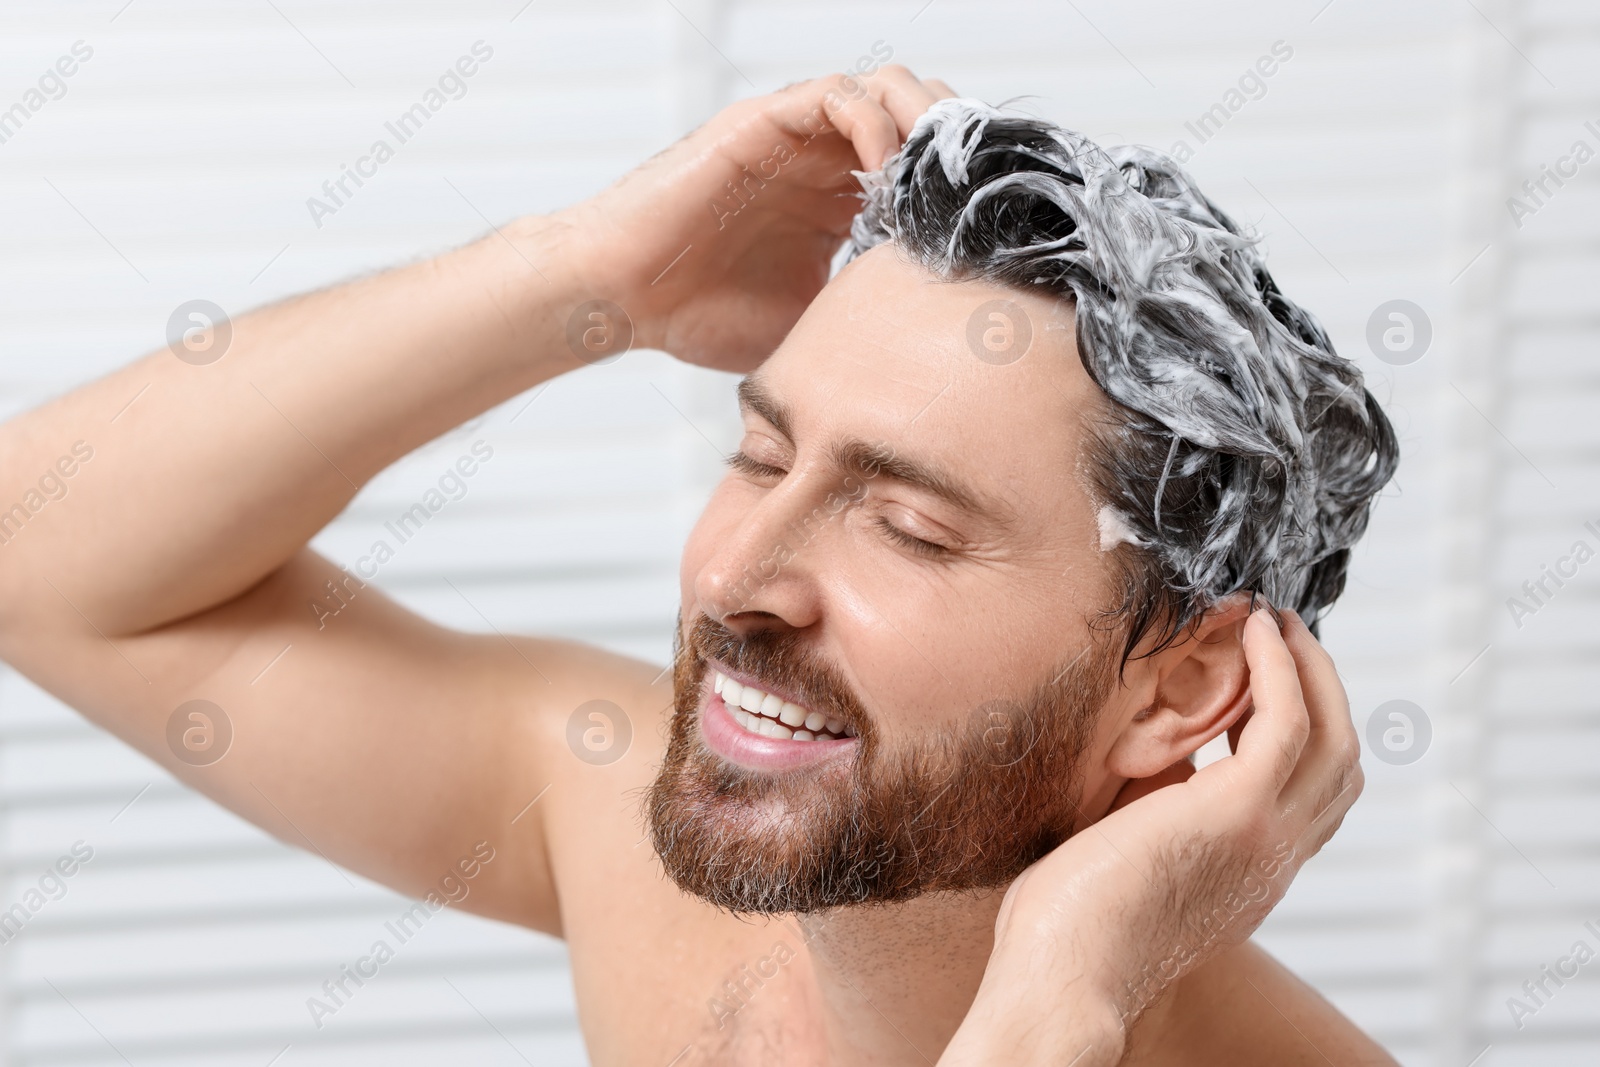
(901, 95)
(941, 89)
(1320, 683)
(1270, 746)
(841, 105)
(862, 119)
(1237, 730)
(1333, 749)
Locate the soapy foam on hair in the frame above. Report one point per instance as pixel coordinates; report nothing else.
(1114, 529)
(1243, 453)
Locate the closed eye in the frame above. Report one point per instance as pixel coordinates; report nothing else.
(909, 541)
(753, 468)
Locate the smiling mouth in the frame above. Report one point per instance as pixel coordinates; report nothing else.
(768, 715)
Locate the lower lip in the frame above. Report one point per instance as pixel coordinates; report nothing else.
(754, 752)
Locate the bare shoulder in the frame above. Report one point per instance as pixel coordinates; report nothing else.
(1243, 1007)
(587, 707)
(585, 731)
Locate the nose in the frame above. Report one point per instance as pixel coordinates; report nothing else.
(763, 572)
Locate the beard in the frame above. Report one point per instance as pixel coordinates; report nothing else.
(954, 808)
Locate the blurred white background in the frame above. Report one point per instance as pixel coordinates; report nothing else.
(1376, 161)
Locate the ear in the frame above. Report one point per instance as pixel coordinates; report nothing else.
(1202, 687)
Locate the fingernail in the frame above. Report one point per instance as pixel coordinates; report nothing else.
(1276, 618)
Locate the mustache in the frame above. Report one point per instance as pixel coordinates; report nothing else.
(783, 660)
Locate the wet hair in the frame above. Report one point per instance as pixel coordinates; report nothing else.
(1240, 453)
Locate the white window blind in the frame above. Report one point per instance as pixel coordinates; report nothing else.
(1375, 160)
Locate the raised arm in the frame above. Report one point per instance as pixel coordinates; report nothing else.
(173, 568)
(158, 554)
(218, 474)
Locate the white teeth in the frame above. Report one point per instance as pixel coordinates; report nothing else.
(760, 724)
(771, 716)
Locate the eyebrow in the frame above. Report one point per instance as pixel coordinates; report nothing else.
(873, 460)
(753, 396)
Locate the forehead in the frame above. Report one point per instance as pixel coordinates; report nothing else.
(971, 377)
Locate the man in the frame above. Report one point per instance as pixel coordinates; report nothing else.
(980, 582)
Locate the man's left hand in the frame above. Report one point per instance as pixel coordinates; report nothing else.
(1186, 865)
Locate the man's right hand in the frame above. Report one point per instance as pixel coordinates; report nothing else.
(714, 247)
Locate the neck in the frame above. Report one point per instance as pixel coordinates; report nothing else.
(894, 981)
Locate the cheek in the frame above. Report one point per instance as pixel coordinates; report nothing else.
(914, 657)
(931, 652)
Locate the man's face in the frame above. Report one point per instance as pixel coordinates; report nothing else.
(905, 554)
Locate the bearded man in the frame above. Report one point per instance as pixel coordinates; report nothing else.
(1032, 498)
